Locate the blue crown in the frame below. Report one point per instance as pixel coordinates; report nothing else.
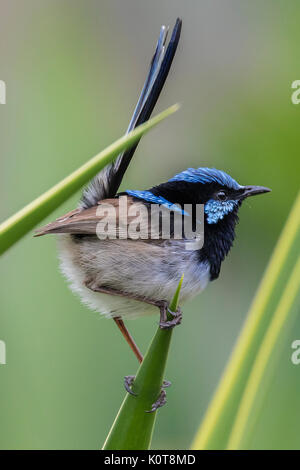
(206, 175)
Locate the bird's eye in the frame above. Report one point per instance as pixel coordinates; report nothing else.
(221, 196)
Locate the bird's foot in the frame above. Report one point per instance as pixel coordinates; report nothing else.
(162, 398)
(164, 323)
(128, 381)
(161, 401)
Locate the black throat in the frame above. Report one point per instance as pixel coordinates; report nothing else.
(219, 237)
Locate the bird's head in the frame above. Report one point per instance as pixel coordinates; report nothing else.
(218, 191)
(221, 196)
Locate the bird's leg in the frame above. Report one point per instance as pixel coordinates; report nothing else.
(164, 324)
(129, 338)
(129, 379)
(161, 304)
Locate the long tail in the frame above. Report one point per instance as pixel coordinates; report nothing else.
(107, 182)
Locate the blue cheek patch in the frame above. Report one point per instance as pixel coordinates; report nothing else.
(216, 210)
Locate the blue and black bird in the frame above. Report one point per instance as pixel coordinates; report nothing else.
(123, 277)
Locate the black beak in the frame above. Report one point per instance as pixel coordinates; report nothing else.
(253, 190)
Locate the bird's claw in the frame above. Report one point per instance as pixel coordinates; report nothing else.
(165, 324)
(128, 381)
(161, 401)
(166, 384)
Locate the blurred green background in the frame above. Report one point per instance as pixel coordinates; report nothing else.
(73, 71)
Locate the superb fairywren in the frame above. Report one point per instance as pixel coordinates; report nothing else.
(123, 278)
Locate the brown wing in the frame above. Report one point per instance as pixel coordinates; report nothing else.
(109, 212)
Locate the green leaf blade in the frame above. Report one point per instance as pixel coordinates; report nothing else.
(264, 356)
(133, 426)
(217, 425)
(23, 221)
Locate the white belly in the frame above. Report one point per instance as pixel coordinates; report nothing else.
(143, 269)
